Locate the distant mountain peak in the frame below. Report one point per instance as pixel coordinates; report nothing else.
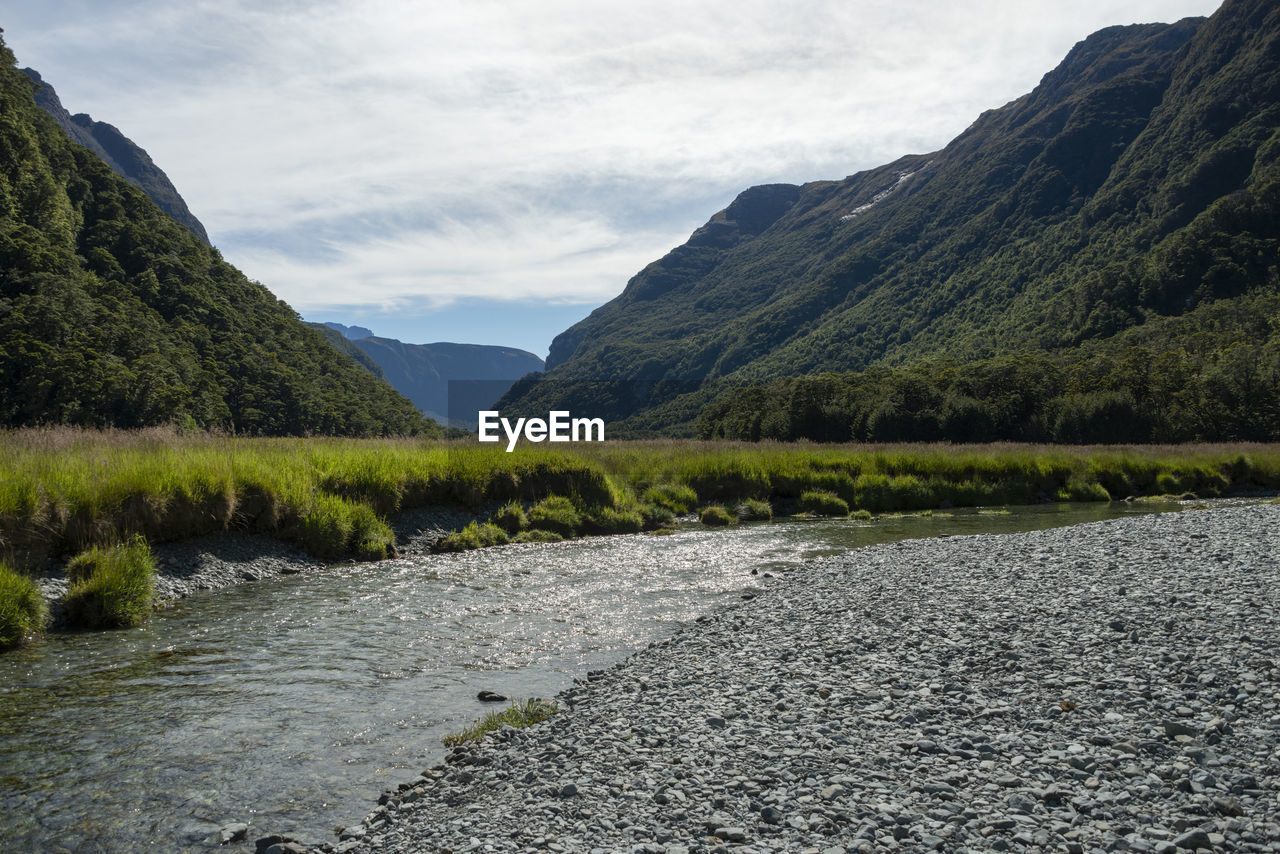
(351, 333)
(447, 382)
(125, 157)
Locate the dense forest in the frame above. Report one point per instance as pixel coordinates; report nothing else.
(1134, 195)
(112, 314)
(1088, 396)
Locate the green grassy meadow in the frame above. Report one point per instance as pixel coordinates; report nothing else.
(64, 491)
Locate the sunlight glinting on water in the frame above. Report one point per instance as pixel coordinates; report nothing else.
(290, 704)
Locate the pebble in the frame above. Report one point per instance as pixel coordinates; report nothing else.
(948, 662)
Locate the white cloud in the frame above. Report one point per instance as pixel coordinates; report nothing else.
(385, 144)
(530, 255)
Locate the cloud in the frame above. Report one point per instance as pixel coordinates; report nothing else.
(344, 150)
(513, 257)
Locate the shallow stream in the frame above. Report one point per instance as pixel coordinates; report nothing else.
(291, 704)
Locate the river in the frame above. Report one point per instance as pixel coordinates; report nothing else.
(291, 704)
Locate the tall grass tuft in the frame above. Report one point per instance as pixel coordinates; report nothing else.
(535, 536)
(753, 510)
(676, 497)
(511, 518)
(556, 514)
(657, 518)
(819, 502)
(607, 520)
(475, 536)
(111, 587)
(716, 516)
(519, 714)
(23, 612)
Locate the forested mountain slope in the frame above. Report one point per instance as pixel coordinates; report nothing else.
(112, 314)
(1136, 183)
(127, 158)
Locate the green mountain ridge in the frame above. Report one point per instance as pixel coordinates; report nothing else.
(1136, 183)
(113, 314)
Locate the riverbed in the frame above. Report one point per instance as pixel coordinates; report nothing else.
(289, 704)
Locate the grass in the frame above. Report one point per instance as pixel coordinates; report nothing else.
(521, 713)
(819, 502)
(535, 536)
(63, 490)
(23, 612)
(556, 514)
(511, 518)
(675, 497)
(111, 587)
(716, 516)
(475, 535)
(753, 510)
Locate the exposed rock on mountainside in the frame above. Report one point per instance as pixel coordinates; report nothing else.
(129, 160)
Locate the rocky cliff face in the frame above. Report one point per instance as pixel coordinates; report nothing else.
(125, 157)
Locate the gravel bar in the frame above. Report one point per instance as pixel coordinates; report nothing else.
(1104, 687)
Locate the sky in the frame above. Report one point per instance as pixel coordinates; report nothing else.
(490, 171)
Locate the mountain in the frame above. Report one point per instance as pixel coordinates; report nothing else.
(129, 160)
(449, 382)
(342, 343)
(352, 333)
(1135, 187)
(113, 314)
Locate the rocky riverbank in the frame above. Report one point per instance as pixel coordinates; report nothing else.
(1105, 687)
(235, 557)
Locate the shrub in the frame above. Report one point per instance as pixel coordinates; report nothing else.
(474, 536)
(555, 513)
(863, 515)
(518, 714)
(22, 609)
(753, 510)
(714, 515)
(112, 587)
(535, 536)
(511, 518)
(822, 503)
(676, 497)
